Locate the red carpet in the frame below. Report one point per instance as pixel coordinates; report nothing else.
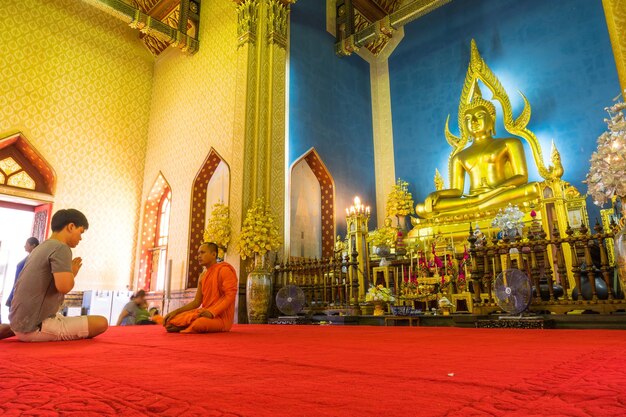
(319, 371)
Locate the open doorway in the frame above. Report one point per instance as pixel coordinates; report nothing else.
(16, 225)
(27, 184)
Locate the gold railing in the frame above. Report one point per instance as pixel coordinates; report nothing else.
(329, 284)
(542, 257)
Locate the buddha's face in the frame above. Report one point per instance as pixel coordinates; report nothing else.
(479, 122)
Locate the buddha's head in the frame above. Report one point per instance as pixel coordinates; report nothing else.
(387, 222)
(480, 119)
(479, 116)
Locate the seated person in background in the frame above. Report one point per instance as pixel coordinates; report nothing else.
(155, 316)
(213, 309)
(143, 315)
(47, 276)
(128, 316)
(31, 243)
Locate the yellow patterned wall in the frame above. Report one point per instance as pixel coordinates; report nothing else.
(193, 108)
(78, 84)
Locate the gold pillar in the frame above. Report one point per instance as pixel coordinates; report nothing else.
(615, 12)
(259, 125)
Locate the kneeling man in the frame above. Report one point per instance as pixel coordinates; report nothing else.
(47, 276)
(213, 308)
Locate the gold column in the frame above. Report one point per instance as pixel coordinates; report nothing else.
(259, 123)
(615, 12)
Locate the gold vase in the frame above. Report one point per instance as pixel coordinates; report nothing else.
(259, 291)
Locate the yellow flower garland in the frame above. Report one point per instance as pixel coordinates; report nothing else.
(218, 226)
(259, 233)
(400, 200)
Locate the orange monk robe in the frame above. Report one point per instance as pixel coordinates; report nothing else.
(218, 285)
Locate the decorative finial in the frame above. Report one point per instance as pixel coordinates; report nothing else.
(439, 182)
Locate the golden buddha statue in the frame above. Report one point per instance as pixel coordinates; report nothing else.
(496, 168)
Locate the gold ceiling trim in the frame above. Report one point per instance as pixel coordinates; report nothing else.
(383, 28)
(138, 19)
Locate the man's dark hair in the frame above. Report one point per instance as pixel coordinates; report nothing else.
(66, 216)
(32, 241)
(138, 294)
(212, 246)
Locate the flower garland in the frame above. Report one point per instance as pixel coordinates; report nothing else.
(379, 293)
(385, 236)
(608, 163)
(218, 227)
(400, 200)
(259, 233)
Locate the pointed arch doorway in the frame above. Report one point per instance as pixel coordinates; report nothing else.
(27, 181)
(27, 185)
(211, 185)
(312, 208)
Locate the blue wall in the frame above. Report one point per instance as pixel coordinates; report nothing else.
(330, 108)
(557, 53)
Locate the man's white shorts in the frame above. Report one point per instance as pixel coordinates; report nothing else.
(58, 328)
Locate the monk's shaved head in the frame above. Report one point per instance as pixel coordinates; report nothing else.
(212, 247)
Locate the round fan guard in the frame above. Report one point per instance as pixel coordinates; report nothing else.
(512, 291)
(290, 300)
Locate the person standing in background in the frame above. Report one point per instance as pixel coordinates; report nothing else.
(31, 243)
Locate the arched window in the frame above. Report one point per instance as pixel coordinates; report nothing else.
(164, 216)
(159, 251)
(155, 236)
(212, 184)
(312, 214)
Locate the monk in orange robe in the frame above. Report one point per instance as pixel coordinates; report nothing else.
(213, 308)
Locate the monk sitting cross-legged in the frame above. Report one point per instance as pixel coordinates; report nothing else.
(213, 308)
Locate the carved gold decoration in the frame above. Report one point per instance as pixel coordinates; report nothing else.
(145, 5)
(277, 23)
(247, 16)
(374, 34)
(383, 32)
(439, 183)
(138, 18)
